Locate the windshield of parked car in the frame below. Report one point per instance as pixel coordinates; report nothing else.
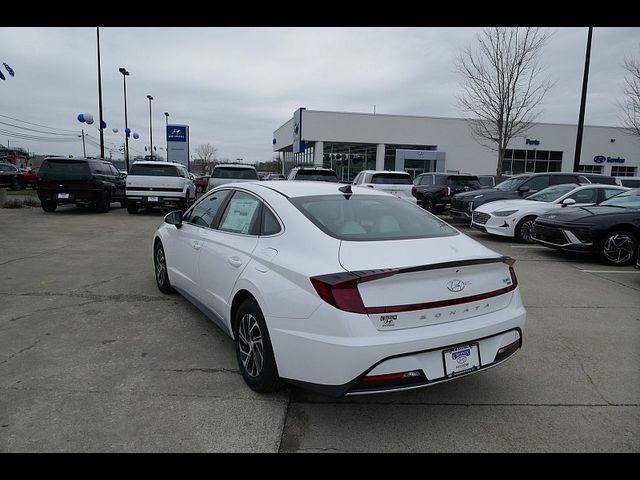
(628, 199)
(317, 175)
(370, 217)
(231, 172)
(154, 170)
(391, 178)
(510, 184)
(551, 194)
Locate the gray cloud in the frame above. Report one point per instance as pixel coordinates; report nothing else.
(235, 86)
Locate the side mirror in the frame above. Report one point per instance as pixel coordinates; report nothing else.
(174, 218)
(523, 189)
(568, 201)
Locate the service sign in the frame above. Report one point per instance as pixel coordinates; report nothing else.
(178, 144)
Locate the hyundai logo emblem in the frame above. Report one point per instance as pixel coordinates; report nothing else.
(455, 286)
(599, 159)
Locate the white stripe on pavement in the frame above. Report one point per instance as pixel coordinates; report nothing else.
(608, 271)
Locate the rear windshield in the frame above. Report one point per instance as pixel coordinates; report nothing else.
(370, 217)
(630, 182)
(629, 199)
(65, 167)
(155, 170)
(241, 173)
(469, 181)
(391, 178)
(317, 175)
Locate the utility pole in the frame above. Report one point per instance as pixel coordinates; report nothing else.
(84, 149)
(100, 97)
(583, 101)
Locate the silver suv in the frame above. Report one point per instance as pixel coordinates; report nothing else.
(233, 172)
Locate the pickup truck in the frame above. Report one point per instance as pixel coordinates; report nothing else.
(228, 173)
(434, 190)
(159, 184)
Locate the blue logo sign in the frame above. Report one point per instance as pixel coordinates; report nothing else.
(603, 159)
(466, 353)
(599, 159)
(531, 141)
(176, 134)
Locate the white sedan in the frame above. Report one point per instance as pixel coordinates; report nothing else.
(340, 289)
(514, 218)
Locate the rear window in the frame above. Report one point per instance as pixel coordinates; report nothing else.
(154, 170)
(605, 180)
(66, 167)
(469, 181)
(629, 182)
(317, 175)
(241, 173)
(370, 218)
(391, 178)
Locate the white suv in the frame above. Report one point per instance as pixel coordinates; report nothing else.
(228, 173)
(399, 184)
(159, 184)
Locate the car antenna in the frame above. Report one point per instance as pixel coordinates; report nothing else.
(347, 191)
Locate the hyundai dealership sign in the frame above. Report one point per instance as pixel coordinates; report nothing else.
(178, 144)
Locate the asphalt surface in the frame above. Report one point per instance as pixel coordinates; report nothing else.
(94, 358)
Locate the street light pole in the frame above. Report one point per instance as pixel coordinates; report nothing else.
(166, 128)
(125, 73)
(84, 149)
(100, 97)
(150, 126)
(583, 101)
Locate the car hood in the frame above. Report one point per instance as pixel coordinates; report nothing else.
(515, 204)
(578, 214)
(473, 193)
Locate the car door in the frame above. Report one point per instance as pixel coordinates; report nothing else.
(227, 249)
(182, 245)
(585, 196)
(118, 181)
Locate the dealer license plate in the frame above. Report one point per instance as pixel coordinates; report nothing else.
(152, 199)
(461, 359)
(63, 195)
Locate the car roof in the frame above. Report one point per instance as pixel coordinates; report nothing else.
(155, 162)
(303, 188)
(234, 165)
(385, 171)
(311, 167)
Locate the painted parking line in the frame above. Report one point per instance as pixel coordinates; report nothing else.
(534, 247)
(609, 271)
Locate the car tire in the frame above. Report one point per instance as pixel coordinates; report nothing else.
(132, 209)
(427, 204)
(524, 229)
(618, 248)
(104, 205)
(184, 204)
(123, 204)
(49, 205)
(254, 352)
(160, 268)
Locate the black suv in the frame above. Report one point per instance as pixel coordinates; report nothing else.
(313, 173)
(82, 181)
(518, 186)
(434, 190)
(10, 176)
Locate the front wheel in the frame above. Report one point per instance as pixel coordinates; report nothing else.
(618, 248)
(524, 230)
(160, 265)
(427, 204)
(253, 349)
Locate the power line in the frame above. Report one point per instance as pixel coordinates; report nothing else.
(37, 124)
(39, 131)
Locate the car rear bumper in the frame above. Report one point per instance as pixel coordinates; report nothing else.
(72, 196)
(155, 200)
(338, 366)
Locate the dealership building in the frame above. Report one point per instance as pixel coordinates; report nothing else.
(351, 142)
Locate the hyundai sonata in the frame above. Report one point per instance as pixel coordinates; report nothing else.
(338, 289)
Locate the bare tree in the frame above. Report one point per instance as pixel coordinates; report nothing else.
(501, 85)
(206, 153)
(631, 104)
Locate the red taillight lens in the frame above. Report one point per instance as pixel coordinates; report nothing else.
(510, 261)
(413, 190)
(341, 289)
(445, 191)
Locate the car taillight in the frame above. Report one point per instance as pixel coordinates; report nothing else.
(446, 191)
(413, 190)
(510, 261)
(341, 289)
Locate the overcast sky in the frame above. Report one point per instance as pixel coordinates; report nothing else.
(234, 86)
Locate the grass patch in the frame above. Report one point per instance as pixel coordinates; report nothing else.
(31, 192)
(20, 203)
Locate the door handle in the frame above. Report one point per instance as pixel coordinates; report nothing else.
(196, 245)
(235, 261)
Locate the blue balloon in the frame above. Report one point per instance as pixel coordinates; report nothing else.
(136, 136)
(2, 76)
(127, 131)
(89, 120)
(81, 117)
(103, 124)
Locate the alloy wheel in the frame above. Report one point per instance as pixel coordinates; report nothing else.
(251, 346)
(526, 231)
(618, 248)
(161, 267)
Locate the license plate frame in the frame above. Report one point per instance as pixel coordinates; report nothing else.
(63, 196)
(152, 199)
(461, 359)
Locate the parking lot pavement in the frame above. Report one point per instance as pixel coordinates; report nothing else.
(94, 358)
